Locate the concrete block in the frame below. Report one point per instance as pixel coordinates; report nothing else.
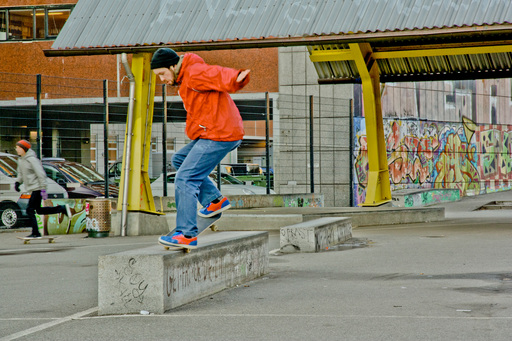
(315, 235)
(344, 91)
(256, 222)
(299, 68)
(139, 224)
(424, 196)
(285, 69)
(377, 216)
(157, 280)
(311, 74)
(285, 90)
(326, 91)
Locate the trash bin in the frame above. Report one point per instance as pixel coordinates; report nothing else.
(98, 219)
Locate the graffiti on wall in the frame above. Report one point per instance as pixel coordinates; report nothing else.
(474, 159)
(60, 223)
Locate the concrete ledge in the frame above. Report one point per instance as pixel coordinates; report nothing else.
(232, 221)
(383, 216)
(168, 204)
(157, 280)
(315, 235)
(424, 196)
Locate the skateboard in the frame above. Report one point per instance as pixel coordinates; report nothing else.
(202, 224)
(26, 240)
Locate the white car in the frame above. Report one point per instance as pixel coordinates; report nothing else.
(13, 205)
(229, 185)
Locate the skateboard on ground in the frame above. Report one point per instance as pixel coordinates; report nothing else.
(27, 240)
(202, 224)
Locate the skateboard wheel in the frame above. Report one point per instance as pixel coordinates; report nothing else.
(166, 247)
(214, 228)
(186, 250)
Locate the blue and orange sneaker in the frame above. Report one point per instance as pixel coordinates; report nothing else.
(178, 240)
(213, 209)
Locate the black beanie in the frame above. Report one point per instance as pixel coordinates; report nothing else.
(164, 57)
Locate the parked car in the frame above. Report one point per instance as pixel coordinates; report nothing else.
(229, 185)
(114, 172)
(13, 205)
(248, 172)
(79, 180)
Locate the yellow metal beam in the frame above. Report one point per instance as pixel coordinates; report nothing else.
(378, 188)
(140, 197)
(442, 52)
(317, 56)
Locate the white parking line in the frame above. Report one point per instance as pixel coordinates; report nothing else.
(48, 325)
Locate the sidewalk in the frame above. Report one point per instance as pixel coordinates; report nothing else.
(448, 280)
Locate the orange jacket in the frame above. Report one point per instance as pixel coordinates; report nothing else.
(211, 113)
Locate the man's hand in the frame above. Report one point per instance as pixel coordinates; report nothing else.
(44, 195)
(242, 75)
(17, 186)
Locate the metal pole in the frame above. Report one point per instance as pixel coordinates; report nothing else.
(164, 137)
(219, 176)
(311, 153)
(105, 136)
(267, 140)
(127, 144)
(39, 142)
(351, 152)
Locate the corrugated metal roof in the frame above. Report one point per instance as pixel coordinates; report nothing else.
(122, 23)
(463, 66)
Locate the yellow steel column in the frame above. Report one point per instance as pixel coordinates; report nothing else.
(140, 197)
(378, 189)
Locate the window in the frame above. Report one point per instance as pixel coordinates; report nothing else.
(40, 30)
(56, 19)
(21, 24)
(3, 25)
(32, 23)
(54, 174)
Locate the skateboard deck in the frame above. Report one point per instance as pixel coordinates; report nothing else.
(202, 224)
(26, 240)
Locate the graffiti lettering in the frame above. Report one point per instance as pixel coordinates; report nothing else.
(130, 284)
(473, 159)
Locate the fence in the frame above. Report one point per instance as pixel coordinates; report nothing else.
(316, 144)
(69, 118)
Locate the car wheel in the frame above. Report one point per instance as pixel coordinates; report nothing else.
(10, 215)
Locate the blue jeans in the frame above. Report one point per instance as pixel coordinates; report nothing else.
(194, 163)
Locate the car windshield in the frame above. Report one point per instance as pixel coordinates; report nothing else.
(226, 179)
(8, 165)
(81, 173)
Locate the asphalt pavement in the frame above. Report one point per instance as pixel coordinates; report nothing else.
(449, 280)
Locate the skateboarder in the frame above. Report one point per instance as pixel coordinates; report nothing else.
(215, 127)
(31, 173)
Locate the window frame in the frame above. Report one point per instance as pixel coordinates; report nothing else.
(35, 9)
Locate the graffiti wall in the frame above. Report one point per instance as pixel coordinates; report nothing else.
(474, 159)
(60, 223)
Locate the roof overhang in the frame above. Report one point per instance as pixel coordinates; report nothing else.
(413, 55)
(379, 38)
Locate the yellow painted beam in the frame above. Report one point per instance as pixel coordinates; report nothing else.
(140, 197)
(442, 52)
(378, 188)
(317, 56)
